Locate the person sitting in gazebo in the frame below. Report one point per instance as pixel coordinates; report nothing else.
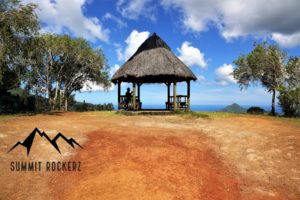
(128, 97)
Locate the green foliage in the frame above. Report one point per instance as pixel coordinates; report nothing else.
(293, 72)
(255, 110)
(84, 107)
(53, 66)
(64, 65)
(265, 64)
(9, 81)
(18, 28)
(289, 100)
(20, 101)
(82, 63)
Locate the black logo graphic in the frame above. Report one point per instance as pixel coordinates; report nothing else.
(29, 140)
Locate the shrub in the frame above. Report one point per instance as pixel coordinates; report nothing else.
(20, 101)
(255, 110)
(289, 100)
(83, 107)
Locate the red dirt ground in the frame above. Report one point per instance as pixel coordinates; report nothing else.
(156, 157)
(146, 167)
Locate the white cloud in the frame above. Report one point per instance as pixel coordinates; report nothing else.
(224, 75)
(196, 13)
(236, 18)
(120, 54)
(133, 41)
(90, 86)
(133, 9)
(60, 16)
(287, 40)
(201, 79)
(191, 55)
(113, 70)
(121, 24)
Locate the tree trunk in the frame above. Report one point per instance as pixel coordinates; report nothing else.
(56, 93)
(36, 102)
(273, 102)
(50, 100)
(60, 99)
(66, 104)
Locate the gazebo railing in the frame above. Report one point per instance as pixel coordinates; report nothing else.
(128, 105)
(181, 102)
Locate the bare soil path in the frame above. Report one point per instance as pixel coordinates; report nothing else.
(137, 166)
(156, 157)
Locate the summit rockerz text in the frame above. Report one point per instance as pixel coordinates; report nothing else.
(47, 166)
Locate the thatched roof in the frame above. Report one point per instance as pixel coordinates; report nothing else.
(153, 62)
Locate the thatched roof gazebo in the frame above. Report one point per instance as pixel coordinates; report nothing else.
(154, 62)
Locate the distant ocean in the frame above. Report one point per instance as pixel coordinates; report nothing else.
(212, 108)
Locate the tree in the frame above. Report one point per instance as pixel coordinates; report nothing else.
(18, 29)
(289, 98)
(44, 74)
(293, 72)
(64, 65)
(264, 64)
(83, 64)
(255, 110)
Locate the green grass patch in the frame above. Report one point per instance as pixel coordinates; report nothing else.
(11, 116)
(183, 113)
(124, 113)
(103, 113)
(3, 117)
(191, 114)
(206, 115)
(214, 115)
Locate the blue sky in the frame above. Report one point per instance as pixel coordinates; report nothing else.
(206, 35)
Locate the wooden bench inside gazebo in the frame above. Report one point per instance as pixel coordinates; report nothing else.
(154, 62)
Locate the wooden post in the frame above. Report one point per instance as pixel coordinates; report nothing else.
(168, 84)
(133, 96)
(174, 96)
(119, 94)
(139, 96)
(188, 96)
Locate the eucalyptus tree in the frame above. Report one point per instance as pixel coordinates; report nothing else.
(64, 65)
(18, 29)
(82, 64)
(265, 64)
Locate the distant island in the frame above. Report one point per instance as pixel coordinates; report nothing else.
(234, 108)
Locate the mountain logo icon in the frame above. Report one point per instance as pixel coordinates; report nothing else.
(27, 143)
